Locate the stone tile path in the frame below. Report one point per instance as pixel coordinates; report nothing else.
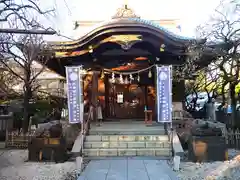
(128, 169)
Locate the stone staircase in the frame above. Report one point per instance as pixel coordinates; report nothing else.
(133, 140)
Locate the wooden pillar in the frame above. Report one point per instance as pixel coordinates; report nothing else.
(178, 91)
(61, 87)
(106, 87)
(146, 95)
(94, 97)
(178, 95)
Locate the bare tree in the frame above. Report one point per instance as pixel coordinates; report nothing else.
(192, 88)
(8, 81)
(211, 81)
(223, 29)
(206, 80)
(24, 52)
(20, 13)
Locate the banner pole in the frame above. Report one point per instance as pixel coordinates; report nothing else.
(164, 96)
(170, 84)
(156, 85)
(82, 108)
(75, 105)
(81, 120)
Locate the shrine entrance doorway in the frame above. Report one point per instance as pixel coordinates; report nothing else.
(127, 101)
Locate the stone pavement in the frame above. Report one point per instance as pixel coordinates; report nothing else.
(128, 169)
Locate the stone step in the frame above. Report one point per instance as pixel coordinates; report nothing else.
(2, 145)
(97, 158)
(127, 152)
(127, 144)
(125, 138)
(127, 132)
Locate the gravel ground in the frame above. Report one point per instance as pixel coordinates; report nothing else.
(13, 166)
(197, 171)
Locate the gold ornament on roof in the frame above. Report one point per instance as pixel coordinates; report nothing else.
(125, 38)
(125, 12)
(126, 41)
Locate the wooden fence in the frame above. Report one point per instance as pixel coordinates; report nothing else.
(233, 138)
(6, 122)
(18, 140)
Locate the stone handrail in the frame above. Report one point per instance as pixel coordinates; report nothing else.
(77, 149)
(78, 143)
(177, 149)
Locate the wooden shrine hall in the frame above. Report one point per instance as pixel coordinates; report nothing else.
(120, 57)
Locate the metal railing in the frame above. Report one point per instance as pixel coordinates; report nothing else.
(233, 138)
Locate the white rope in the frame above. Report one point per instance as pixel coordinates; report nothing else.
(128, 73)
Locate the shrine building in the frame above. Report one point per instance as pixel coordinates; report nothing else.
(120, 55)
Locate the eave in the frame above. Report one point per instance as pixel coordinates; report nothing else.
(123, 26)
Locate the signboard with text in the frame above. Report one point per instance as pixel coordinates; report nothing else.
(74, 94)
(164, 93)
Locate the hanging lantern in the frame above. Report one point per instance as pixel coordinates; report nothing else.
(113, 78)
(150, 73)
(90, 49)
(121, 79)
(138, 78)
(131, 77)
(102, 75)
(126, 80)
(162, 47)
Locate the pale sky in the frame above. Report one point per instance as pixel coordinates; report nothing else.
(189, 12)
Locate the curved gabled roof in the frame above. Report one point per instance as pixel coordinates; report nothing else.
(161, 28)
(126, 21)
(135, 25)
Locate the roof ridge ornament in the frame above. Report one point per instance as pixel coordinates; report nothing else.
(125, 12)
